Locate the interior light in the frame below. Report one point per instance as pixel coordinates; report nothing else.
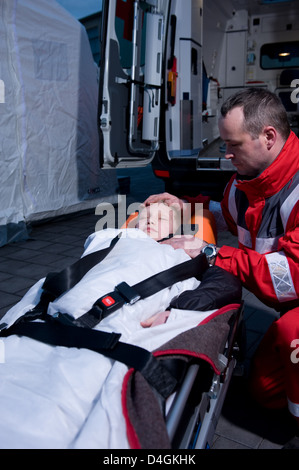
(284, 54)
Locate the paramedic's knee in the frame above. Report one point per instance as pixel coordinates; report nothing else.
(287, 340)
(289, 327)
(275, 365)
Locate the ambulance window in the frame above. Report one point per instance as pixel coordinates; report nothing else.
(280, 55)
(124, 19)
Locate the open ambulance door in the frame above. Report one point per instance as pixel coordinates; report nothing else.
(150, 81)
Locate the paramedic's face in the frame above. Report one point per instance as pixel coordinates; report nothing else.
(248, 155)
(158, 221)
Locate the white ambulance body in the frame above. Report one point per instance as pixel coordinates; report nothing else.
(168, 65)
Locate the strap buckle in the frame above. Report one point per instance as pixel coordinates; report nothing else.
(130, 295)
(123, 294)
(108, 303)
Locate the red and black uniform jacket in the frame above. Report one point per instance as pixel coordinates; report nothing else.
(264, 213)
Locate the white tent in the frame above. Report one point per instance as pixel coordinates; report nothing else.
(49, 150)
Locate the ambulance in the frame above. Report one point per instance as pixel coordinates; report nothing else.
(166, 68)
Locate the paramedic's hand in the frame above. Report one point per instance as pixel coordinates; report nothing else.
(190, 244)
(157, 319)
(167, 198)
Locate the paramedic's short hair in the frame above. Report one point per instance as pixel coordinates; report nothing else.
(261, 108)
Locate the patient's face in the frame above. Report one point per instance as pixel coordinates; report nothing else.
(159, 220)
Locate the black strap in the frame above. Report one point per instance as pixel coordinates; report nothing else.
(56, 284)
(108, 344)
(124, 293)
(195, 267)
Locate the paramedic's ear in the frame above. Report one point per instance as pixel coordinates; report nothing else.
(270, 135)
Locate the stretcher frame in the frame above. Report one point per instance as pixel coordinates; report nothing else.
(201, 396)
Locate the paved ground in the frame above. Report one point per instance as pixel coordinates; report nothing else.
(59, 242)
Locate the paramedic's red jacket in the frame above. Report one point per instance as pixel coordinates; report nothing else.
(264, 213)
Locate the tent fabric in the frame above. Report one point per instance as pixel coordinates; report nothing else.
(49, 148)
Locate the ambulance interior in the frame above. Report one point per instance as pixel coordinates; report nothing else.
(260, 47)
(167, 67)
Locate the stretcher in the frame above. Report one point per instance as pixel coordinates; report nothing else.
(69, 381)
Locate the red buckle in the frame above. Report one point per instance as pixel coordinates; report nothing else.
(108, 301)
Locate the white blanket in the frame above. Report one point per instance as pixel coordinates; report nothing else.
(57, 397)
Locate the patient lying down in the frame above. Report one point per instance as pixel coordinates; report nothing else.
(161, 222)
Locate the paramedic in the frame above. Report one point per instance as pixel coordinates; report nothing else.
(261, 207)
